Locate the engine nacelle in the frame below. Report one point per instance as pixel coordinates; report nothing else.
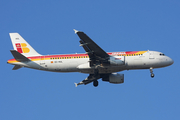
(114, 78)
(117, 60)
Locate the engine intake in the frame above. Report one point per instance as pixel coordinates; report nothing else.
(114, 78)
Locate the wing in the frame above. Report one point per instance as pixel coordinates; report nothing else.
(97, 55)
(88, 80)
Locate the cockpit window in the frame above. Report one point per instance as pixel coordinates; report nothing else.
(161, 54)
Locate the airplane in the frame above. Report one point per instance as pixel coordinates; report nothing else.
(95, 62)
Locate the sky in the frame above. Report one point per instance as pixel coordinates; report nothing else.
(115, 25)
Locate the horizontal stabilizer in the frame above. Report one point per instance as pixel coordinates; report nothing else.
(17, 67)
(18, 56)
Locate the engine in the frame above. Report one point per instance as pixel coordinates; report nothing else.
(114, 78)
(117, 60)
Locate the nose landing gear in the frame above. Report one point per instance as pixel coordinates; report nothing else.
(151, 71)
(152, 75)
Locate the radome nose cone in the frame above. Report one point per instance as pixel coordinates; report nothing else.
(171, 61)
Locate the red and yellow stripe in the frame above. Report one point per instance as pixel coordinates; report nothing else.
(76, 56)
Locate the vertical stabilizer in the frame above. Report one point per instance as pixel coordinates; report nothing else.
(22, 46)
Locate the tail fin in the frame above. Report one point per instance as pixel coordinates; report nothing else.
(22, 46)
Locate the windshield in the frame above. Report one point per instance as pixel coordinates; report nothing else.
(161, 54)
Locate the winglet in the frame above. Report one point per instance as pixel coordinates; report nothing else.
(76, 84)
(75, 31)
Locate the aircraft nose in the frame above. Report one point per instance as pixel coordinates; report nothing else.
(170, 61)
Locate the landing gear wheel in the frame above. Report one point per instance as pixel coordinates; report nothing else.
(95, 83)
(152, 75)
(151, 71)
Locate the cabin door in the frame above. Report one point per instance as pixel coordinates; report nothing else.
(151, 55)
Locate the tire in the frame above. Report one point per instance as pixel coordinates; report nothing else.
(152, 75)
(95, 83)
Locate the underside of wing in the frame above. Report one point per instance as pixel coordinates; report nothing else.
(98, 58)
(96, 54)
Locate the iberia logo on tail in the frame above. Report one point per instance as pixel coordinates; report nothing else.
(21, 48)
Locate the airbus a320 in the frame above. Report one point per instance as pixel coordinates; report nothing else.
(95, 62)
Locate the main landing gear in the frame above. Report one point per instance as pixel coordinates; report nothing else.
(151, 71)
(96, 74)
(95, 83)
(91, 78)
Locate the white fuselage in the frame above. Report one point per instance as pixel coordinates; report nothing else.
(95, 62)
(73, 64)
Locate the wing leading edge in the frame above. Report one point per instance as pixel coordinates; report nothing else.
(96, 54)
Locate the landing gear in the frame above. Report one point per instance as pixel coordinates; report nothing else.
(91, 78)
(95, 83)
(151, 71)
(152, 75)
(96, 72)
(96, 75)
